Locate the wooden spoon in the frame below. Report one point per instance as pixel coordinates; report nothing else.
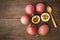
(49, 9)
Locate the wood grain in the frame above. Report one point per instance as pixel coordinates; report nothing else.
(12, 29)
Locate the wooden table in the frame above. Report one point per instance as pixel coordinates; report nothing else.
(12, 29)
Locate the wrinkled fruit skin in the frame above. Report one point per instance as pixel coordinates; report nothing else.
(43, 30)
(24, 19)
(31, 30)
(29, 9)
(40, 7)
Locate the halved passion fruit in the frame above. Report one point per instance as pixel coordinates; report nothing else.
(45, 17)
(36, 19)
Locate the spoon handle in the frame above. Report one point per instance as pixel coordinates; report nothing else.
(53, 21)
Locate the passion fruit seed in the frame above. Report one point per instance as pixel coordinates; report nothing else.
(36, 19)
(45, 17)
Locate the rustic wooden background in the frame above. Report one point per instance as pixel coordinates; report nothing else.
(12, 29)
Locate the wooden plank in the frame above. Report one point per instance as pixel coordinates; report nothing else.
(12, 29)
(15, 9)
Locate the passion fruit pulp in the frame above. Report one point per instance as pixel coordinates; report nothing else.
(35, 19)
